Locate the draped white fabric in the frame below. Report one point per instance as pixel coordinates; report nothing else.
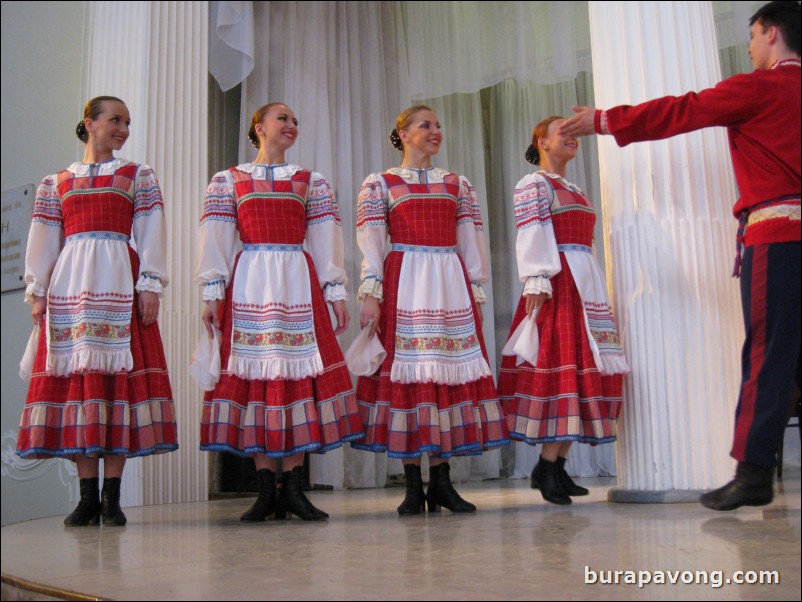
(231, 42)
(491, 71)
(467, 46)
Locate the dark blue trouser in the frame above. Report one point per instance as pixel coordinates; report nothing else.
(770, 296)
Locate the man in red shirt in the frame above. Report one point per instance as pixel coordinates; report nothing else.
(761, 111)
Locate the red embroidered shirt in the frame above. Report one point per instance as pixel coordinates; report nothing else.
(761, 111)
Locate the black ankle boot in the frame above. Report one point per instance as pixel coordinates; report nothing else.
(752, 486)
(571, 488)
(267, 502)
(293, 500)
(110, 503)
(415, 498)
(548, 481)
(442, 493)
(88, 510)
(567, 482)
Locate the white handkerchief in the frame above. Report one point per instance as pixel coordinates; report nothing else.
(26, 365)
(524, 342)
(365, 354)
(205, 366)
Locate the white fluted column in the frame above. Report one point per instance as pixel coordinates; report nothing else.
(154, 55)
(669, 244)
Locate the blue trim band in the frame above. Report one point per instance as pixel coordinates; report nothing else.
(98, 236)
(582, 248)
(397, 246)
(281, 248)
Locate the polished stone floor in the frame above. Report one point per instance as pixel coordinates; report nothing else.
(516, 547)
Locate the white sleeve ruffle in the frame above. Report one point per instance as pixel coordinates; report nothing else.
(536, 246)
(150, 232)
(371, 235)
(45, 240)
(471, 244)
(217, 237)
(324, 238)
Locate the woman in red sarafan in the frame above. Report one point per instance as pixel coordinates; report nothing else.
(572, 391)
(434, 391)
(99, 384)
(284, 388)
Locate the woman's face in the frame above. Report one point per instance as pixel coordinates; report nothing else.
(423, 134)
(279, 127)
(557, 146)
(109, 130)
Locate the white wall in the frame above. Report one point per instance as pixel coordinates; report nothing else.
(42, 57)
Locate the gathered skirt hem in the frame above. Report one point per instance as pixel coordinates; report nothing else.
(41, 453)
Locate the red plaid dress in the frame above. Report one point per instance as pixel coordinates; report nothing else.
(287, 389)
(97, 409)
(403, 418)
(564, 397)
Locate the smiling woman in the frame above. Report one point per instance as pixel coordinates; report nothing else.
(434, 391)
(107, 119)
(284, 389)
(568, 389)
(100, 386)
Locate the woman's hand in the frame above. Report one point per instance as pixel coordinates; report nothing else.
(342, 315)
(533, 303)
(38, 310)
(371, 312)
(148, 306)
(210, 316)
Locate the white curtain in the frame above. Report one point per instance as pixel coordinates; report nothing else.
(491, 71)
(467, 46)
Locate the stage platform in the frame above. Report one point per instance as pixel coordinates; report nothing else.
(516, 547)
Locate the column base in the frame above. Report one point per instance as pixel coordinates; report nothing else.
(671, 496)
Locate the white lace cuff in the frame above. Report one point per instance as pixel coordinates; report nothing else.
(371, 287)
(34, 289)
(335, 291)
(478, 294)
(536, 285)
(150, 283)
(214, 290)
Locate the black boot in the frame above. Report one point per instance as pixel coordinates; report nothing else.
(442, 493)
(293, 500)
(567, 482)
(110, 503)
(752, 486)
(88, 510)
(267, 502)
(545, 475)
(415, 498)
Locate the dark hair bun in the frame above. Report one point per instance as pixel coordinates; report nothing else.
(532, 155)
(395, 140)
(80, 131)
(253, 137)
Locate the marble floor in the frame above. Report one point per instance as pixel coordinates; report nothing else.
(516, 547)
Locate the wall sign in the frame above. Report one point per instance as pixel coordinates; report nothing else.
(17, 210)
